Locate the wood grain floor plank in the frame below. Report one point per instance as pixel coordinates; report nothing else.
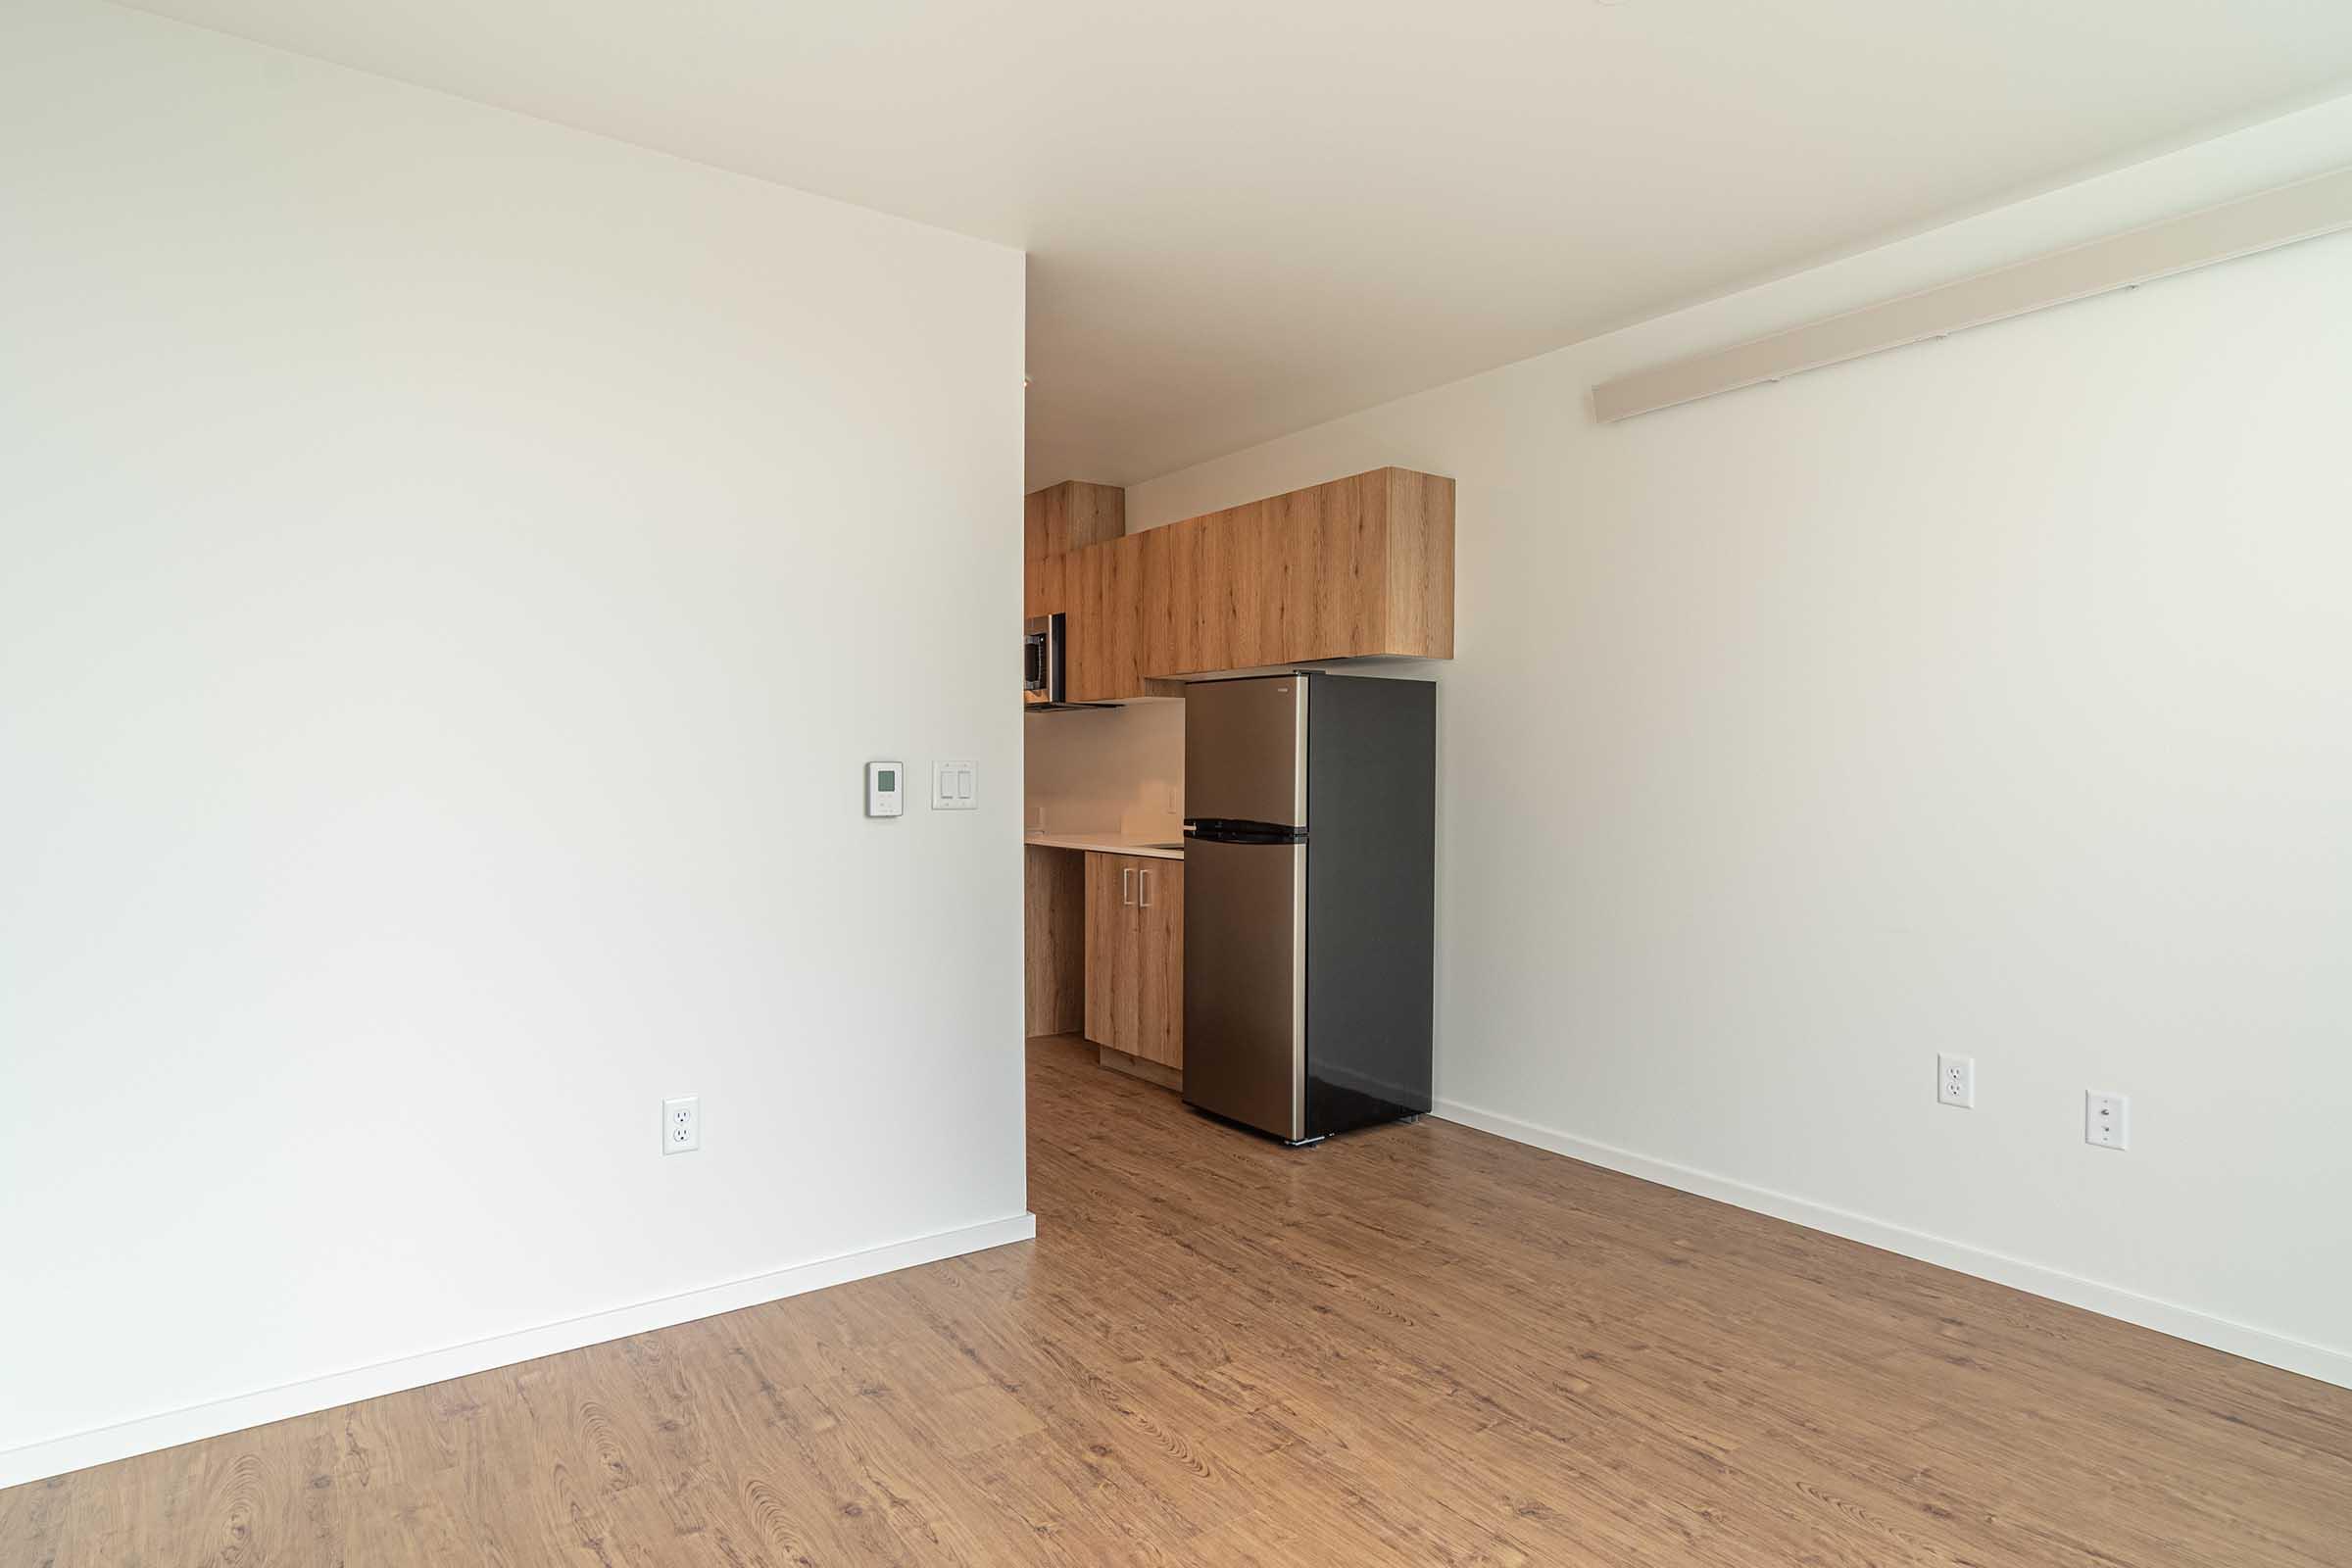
(1418, 1344)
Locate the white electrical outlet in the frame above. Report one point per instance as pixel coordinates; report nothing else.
(1956, 1080)
(2106, 1119)
(682, 1124)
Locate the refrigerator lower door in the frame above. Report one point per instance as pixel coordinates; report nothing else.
(1245, 983)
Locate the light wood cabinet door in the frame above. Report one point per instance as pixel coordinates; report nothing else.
(1158, 1035)
(1110, 921)
(1041, 591)
(1105, 586)
(1085, 588)
(1160, 587)
(1225, 597)
(1135, 955)
(1328, 577)
(1203, 583)
(1122, 608)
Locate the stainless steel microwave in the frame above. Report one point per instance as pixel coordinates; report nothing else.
(1045, 660)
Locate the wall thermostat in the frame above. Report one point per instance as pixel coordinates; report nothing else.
(885, 789)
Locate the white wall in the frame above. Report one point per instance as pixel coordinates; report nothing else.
(1106, 769)
(1992, 695)
(452, 571)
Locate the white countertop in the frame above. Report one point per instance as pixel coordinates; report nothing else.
(1106, 844)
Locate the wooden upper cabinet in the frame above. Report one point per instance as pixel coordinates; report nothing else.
(1231, 585)
(1159, 571)
(1042, 587)
(1056, 521)
(1420, 562)
(1203, 595)
(1070, 515)
(1108, 620)
(1358, 567)
(1361, 566)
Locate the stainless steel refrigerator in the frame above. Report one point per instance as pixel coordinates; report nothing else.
(1309, 893)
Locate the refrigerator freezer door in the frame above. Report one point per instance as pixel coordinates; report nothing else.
(1245, 983)
(1245, 751)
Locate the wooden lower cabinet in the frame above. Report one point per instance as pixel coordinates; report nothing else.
(1135, 956)
(1109, 918)
(1055, 937)
(1159, 965)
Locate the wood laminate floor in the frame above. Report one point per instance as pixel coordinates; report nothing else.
(1419, 1345)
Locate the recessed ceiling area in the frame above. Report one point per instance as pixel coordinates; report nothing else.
(1246, 219)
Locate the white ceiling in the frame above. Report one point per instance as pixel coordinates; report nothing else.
(1246, 218)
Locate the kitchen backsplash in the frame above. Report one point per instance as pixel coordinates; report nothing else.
(1106, 770)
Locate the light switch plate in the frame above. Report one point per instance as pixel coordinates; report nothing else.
(954, 786)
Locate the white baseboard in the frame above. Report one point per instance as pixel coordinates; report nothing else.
(56, 1455)
(2320, 1361)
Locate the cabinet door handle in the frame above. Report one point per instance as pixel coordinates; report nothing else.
(1126, 884)
(1143, 880)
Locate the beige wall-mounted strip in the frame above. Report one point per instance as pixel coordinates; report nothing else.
(2304, 209)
